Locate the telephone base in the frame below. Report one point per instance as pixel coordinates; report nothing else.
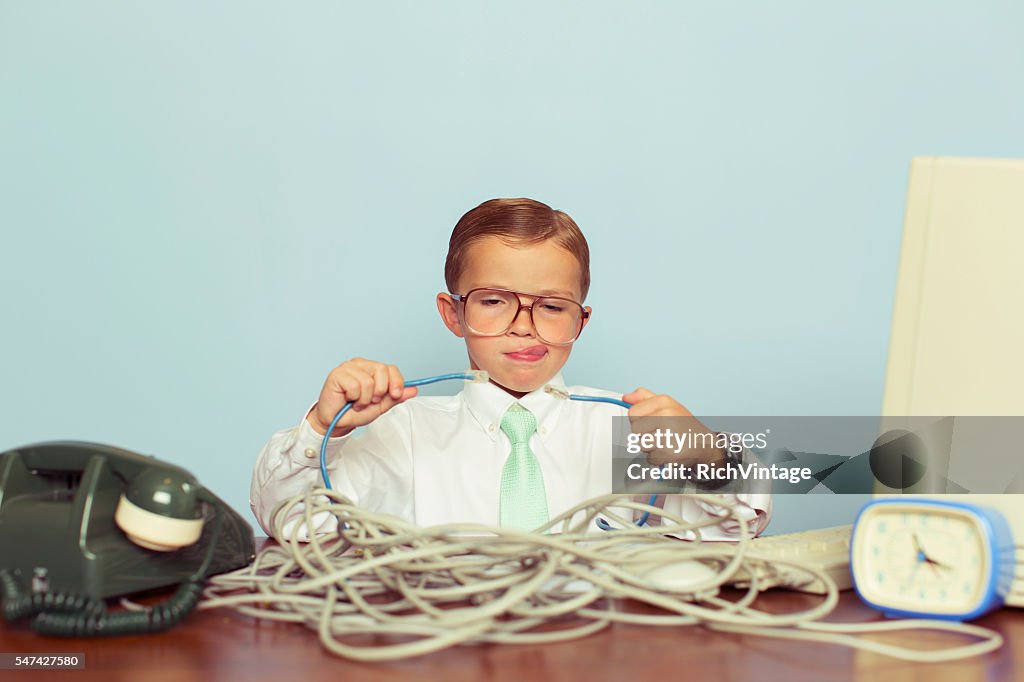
(57, 504)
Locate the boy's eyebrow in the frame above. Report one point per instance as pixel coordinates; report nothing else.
(555, 292)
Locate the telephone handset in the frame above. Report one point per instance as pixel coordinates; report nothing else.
(82, 522)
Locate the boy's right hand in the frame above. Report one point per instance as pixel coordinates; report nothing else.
(374, 388)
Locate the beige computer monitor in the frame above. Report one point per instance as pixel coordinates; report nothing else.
(957, 342)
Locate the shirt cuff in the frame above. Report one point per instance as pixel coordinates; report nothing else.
(305, 443)
(323, 522)
(755, 509)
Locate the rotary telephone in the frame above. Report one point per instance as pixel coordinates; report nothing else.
(83, 522)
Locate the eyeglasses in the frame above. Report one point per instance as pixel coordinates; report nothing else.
(492, 312)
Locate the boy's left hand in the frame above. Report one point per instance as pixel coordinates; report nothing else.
(651, 412)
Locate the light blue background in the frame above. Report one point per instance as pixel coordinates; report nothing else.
(206, 206)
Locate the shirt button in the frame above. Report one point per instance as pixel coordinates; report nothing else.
(542, 431)
(310, 452)
(491, 428)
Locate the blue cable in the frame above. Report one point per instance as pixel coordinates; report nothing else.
(474, 375)
(596, 399)
(477, 375)
(558, 393)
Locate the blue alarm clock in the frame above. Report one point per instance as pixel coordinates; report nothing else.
(932, 558)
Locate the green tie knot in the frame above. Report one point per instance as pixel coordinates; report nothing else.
(518, 424)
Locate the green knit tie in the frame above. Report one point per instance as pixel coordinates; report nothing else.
(524, 502)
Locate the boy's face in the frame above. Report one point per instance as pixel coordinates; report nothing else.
(518, 361)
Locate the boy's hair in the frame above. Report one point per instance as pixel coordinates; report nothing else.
(515, 221)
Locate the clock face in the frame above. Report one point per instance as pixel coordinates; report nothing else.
(921, 558)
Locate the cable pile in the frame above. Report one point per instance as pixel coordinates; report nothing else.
(430, 588)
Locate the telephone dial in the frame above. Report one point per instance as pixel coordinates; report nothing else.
(83, 522)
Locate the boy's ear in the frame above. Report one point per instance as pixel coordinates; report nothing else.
(586, 320)
(446, 306)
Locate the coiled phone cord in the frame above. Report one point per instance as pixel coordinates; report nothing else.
(64, 614)
(18, 604)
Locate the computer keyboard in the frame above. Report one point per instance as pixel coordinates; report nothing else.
(827, 549)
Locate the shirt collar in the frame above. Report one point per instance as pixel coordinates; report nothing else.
(488, 404)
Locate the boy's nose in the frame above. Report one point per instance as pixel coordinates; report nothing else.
(522, 323)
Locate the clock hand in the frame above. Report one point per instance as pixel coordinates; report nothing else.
(923, 556)
(920, 553)
(937, 564)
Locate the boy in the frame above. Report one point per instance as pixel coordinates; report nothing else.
(517, 273)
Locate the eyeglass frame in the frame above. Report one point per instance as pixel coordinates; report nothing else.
(461, 298)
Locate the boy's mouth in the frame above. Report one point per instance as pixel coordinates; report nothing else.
(531, 354)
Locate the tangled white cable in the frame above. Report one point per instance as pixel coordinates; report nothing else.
(432, 588)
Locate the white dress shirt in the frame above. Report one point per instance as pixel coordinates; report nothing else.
(436, 460)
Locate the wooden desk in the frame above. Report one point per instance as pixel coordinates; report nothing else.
(220, 645)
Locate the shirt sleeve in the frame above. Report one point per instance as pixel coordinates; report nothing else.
(753, 507)
(370, 467)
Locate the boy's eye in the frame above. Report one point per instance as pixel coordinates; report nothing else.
(491, 301)
(553, 308)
